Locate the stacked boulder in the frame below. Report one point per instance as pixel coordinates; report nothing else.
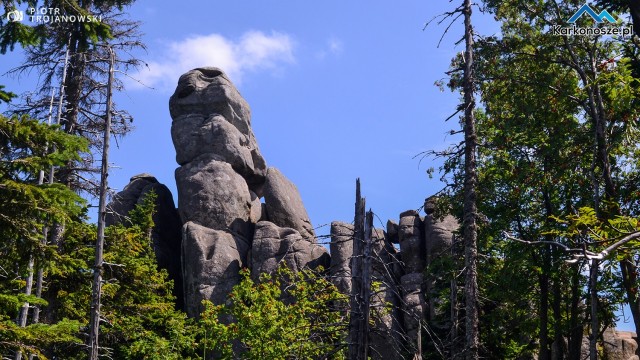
(341, 248)
(400, 256)
(385, 300)
(413, 255)
(165, 235)
(221, 179)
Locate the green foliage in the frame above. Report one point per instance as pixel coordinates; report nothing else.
(34, 338)
(16, 32)
(26, 147)
(141, 321)
(542, 98)
(284, 316)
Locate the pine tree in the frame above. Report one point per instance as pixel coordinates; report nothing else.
(25, 206)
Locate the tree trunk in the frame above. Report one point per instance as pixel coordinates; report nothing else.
(470, 207)
(357, 311)
(454, 306)
(545, 350)
(24, 311)
(595, 325)
(575, 323)
(558, 347)
(94, 324)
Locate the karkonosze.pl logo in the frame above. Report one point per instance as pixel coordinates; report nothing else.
(603, 17)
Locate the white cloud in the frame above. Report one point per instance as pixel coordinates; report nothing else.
(333, 47)
(254, 51)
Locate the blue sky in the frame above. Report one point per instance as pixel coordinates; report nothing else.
(338, 90)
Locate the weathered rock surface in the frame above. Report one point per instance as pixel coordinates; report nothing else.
(165, 235)
(341, 249)
(211, 117)
(385, 301)
(413, 306)
(211, 262)
(284, 204)
(439, 231)
(411, 241)
(207, 91)
(619, 345)
(195, 135)
(273, 245)
(439, 234)
(392, 232)
(213, 195)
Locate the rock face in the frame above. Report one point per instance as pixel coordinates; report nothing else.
(220, 181)
(204, 99)
(385, 301)
(412, 252)
(212, 194)
(341, 248)
(439, 232)
(619, 345)
(165, 235)
(284, 204)
(273, 245)
(212, 260)
(411, 241)
(196, 135)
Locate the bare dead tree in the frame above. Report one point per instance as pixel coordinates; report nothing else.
(94, 324)
(470, 209)
(358, 327)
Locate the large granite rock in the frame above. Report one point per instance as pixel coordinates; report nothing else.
(195, 135)
(385, 342)
(411, 241)
(341, 249)
(413, 308)
(165, 235)
(284, 204)
(392, 232)
(211, 262)
(207, 91)
(213, 195)
(439, 231)
(273, 245)
(439, 235)
(619, 345)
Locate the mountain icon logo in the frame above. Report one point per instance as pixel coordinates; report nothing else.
(599, 18)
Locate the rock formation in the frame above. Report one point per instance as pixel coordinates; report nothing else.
(220, 181)
(211, 260)
(220, 167)
(273, 245)
(385, 302)
(619, 345)
(284, 204)
(165, 235)
(412, 253)
(341, 248)
(438, 231)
